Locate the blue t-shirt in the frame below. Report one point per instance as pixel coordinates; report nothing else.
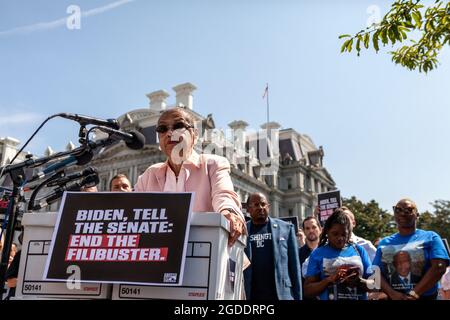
(404, 260)
(324, 261)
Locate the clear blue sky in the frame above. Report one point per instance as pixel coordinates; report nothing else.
(384, 129)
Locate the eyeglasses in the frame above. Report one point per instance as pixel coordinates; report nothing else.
(259, 204)
(162, 128)
(405, 211)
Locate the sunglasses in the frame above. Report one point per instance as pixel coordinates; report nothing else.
(406, 211)
(257, 205)
(162, 128)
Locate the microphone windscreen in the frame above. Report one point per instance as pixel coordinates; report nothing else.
(138, 141)
(89, 170)
(85, 157)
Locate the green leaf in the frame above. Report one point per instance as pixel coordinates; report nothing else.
(344, 36)
(391, 35)
(344, 45)
(383, 35)
(366, 40)
(349, 45)
(417, 19)
(404, 35)
(375, 41)
(358, 44)
(397, 34)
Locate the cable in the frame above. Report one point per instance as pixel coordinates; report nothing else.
(39, 187)
(28, 141)
(3, 169)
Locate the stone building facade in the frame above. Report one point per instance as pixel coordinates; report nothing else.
(281, 163)
(294, 171)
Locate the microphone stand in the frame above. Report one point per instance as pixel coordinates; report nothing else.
(40, 186)
(19, 181)
(12, 208)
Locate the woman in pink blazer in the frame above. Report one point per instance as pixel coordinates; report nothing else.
(185, 170)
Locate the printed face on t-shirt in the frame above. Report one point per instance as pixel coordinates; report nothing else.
(347, 289)
(403, 264)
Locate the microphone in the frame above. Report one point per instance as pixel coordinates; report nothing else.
(80, 160)
(90, 181)
(84, 120)
(65, 179)
(133, 139)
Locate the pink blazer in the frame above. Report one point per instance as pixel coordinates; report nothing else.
(206, 174)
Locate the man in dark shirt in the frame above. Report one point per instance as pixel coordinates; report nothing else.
(311, 228)
(274, 273)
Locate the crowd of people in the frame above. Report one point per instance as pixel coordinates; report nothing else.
(338, 265)
(329, 262)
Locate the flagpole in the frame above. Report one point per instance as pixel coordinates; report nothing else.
(267, 86)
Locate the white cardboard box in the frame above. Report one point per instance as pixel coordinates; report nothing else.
(206, 273)
(38, 230)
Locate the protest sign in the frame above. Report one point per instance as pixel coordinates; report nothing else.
(328, 202)
(119, 237)
(293, 220)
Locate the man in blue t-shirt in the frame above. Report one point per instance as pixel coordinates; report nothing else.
(274, 272)
(411, 261)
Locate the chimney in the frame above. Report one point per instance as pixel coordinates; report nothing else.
(48, 151)
(239, 137)
(158, 100)
(184, 94)
(70, 146)
(271, 126)
(238, 125)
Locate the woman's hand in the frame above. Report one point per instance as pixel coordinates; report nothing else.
(343, 274)
(237, 227)
(337, 276)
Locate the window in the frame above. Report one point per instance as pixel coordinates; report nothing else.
(289, 183)
(308, 211)
(104, 184)
(308, 184)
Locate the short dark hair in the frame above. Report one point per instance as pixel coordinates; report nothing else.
(251, 195)
(338, 217)
(310, 218)
(179, 111)
(397, 254)
(120, 175)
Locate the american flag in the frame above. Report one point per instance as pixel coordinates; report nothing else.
(266, 91)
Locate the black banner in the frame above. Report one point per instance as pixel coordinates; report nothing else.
(120, 237)
(328, 202)
(293, 220)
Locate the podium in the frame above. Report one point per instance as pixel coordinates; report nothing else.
(38, 230)
(212, 271)
(207, 268)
